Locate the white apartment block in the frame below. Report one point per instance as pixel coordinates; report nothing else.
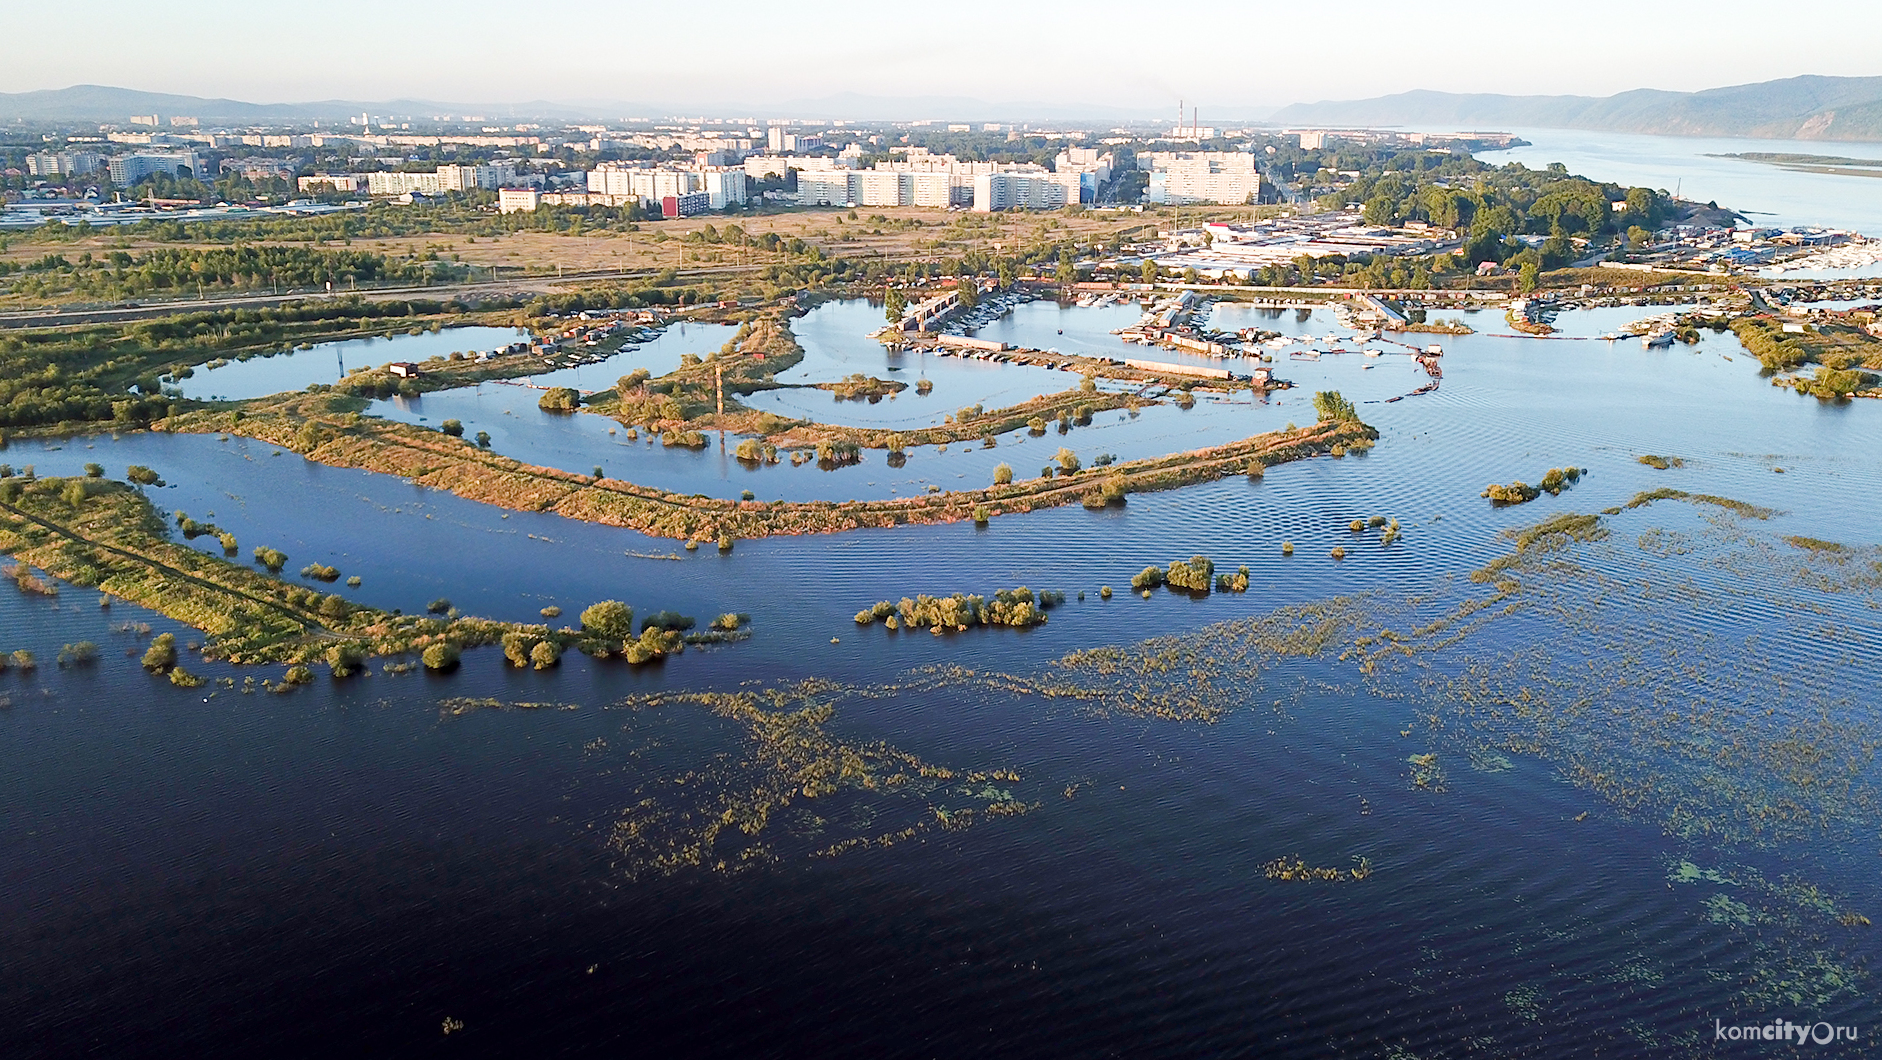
(443, 179)
(613, 179)
(1180, 178)
(760, 166)
(63, 164)
(344, 183)
(1037, 190)
(829, 187)
(129, 169)
(725, 186)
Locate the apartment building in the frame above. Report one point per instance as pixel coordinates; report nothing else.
(1025, 190)
(63, 164)
(1178, 178)
(126, 170)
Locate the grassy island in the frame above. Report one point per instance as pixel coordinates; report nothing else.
(98, 533)
(326, 427)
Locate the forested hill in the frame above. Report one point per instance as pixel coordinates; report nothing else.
(1802, 108)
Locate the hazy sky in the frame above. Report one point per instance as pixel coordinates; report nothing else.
(1226, 54)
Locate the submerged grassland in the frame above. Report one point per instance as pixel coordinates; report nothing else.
(97, 533)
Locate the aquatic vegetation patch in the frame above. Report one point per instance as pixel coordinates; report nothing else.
(1020, 608)
(1661, 463)
(722, 816)
(1293, 870)
(1554, 481)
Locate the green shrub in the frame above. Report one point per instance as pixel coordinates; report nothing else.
(545, 654)
(609, 618)
(1003, 475)
(1197, 575)
(273, 559)
(161, 655)
(559, 399)
(516, 647)
(453, 428)
(439, 606)
(320, 572)
(1148, 578)
(344, 659)
(441, 656)
(184, 679)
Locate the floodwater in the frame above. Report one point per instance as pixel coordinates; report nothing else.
(1649, 804)
(328, 362)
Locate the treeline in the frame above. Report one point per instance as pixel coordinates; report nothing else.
(111, 373)
(119, 273)
(1490, 205)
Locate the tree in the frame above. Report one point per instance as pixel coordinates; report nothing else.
(609, 618)
(559, 399)
(1068, 269)
(894, 305)
(1334, 408)
(545, 654)
(1528, 276)
(969, 292)
(1068, 461)
(1148, 270)
(440, 656)
(454, 428)
(161, 654)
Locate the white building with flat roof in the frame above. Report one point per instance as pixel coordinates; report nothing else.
(1180, 178)
(725, 186)
(129, 169)
(63, 164)
(327, 183)
(1038, 190)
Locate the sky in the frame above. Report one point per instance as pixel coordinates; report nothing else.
(1230, 57)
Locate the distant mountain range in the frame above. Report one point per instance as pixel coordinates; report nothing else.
(1802, 108)
(1795, 108)
(104, 104)
(89, 103)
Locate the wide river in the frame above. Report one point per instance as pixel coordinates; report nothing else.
(1369, 807)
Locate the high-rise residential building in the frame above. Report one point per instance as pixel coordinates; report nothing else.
(1037, 190)
(827, 187)
(63, 164)
(1179, 178)
(724, 186)
(324, 183)
(126, 170)
(444, 179)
